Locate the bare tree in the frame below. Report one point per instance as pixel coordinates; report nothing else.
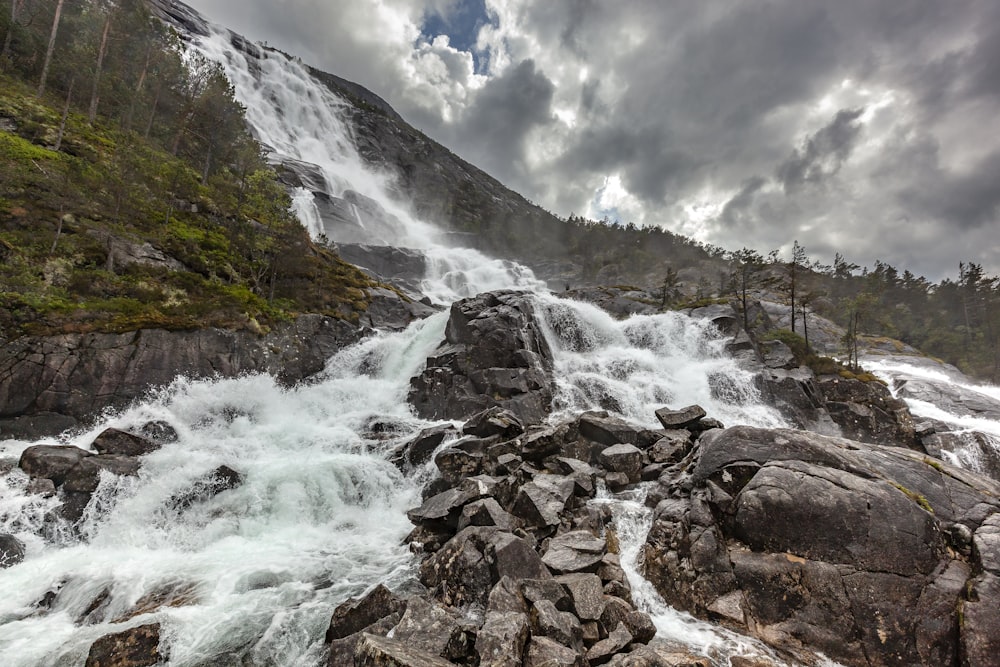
(95, 95)
(52, 47)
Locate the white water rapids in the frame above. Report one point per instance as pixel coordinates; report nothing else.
(257, 570)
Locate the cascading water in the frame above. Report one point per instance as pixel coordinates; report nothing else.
(253, 573)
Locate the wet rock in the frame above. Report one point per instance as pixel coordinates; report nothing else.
(159, 431)
(135, 647)
(506, 597)
(626, 459)
(375, 651)
(512, 556)
(503, 639)
(342, 650)
(207, 487)
(51, 461)
(113, 441)
(458, 573)
(540, 503)
(538, 444)
(359, 613)
(461, 460)
(671, 448)
(176, 594)
(42, 486)
(418, 451)
(494, 421)
(683, 418)
(11, 550)
(576, 551)
(668, 656)
(485, 512)
(85, 476)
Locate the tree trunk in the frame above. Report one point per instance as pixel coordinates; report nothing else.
(65, 115)
(152, 112)
(95, 95)
(15, 9)
(50, 50)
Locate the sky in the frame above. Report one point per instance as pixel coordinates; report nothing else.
(865, 127)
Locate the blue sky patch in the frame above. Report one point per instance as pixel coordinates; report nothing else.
(461, 23)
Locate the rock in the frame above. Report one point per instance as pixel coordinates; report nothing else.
(207, 487)
(375, 651)
(42, 486)
(159, 431)
(671, 448)
(359, 613)
(867, 412)
(51, 461)
(77, 375)
(626, 459)
(536, 590)
(443, 509)
(35, 426)
(506, 597)
(113, 441)
(540, 503)
(560, 626)
(458, 573)
(494, 421)
(602, 651)
(502, 639)
(669, 656)
(135, 647)
(462, 459)
(586, 592)
(512, 556)
(485, 512)
(389, 309)
(607, 430)
(342, 650)
(493, 355)
(85, 476)
(544, 652)
(418, 451)
(433, 629)
(576, 551)
(11, 550)
(863, 565)
(683, 418)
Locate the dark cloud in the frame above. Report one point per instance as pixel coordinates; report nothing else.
(963, 200)
(505, 111)
(736, 208)
(823, 153)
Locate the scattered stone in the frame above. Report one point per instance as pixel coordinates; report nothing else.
(418, 451)
(485, 512)
(431, 628)
(159, 431)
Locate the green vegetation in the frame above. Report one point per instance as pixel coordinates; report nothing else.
(915, 497)
(131, 192)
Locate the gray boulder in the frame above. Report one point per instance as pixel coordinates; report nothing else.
(11, 550)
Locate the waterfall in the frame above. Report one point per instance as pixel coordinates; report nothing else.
(320, 515)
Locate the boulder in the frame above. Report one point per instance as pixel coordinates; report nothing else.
(502, 639)
(678, 419)
(375, 651)
(418, 451)
(540, 503)
(85, 476)
(114, 441)
(865, 564)
(11, 550)
(493, 355)
(359, 613)
(207, 487)
(626, 459)
(546, 652)
(587, 594)
(607, 430)
(602, 651)
(485, 512)
(494, 421)
(135, 647)
(576, 551)
(560, 626)
(433, 629)
(51, 461)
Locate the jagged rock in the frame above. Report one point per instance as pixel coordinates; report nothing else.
(86, 475)
(512, 556)
(485, 512)
(506, 597)
(541, 502)
(493, 355)
(458, 572)
(860, 567)
(544, 652)
(418, 451)
(560, 626)
(678, 419)
(359, 613)
(626, 459)
(159, 431)
(11, 550)
(535, 590)
(494, 421)
(777, 354)
(388, 309)
(576, 551)
(399, 266)
(342, 650)
(602, 651)
(113, 441)
(868, 412)
(135, 647)
(671, 448)
(669, 656)
(445, 508)
(51, 461)
(607, 430)
(502, 639)
(42, 486)
(433, 629)
(462, 459)
(587, 594)
(375, 651)
(177, 594)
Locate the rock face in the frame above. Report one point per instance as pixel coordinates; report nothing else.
(872, 555)
(493, 355)
(77, 375)
(136, 647)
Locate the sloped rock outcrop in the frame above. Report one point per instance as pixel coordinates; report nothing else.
(493, 355)
(872, 555)
(77, 375)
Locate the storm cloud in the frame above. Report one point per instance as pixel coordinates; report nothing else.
(866, 127)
